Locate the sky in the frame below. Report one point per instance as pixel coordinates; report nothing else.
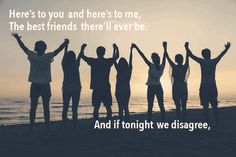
(203, 23)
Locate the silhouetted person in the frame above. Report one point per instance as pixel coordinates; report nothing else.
(100, 71)
(154, 85)
(40, 75)
(71, 87)
(208, 89)
(179, 75)
(124, 71)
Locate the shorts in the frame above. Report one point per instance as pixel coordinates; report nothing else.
(99, 97)
(37, 90)
(180, 92)
(208, 94)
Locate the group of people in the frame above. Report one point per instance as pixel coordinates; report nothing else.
(40, 78)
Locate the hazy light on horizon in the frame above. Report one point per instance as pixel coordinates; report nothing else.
(204, 23)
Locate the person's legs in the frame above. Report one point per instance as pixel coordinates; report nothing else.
(66, 102)
(75, 104)
(34, 96)
(109, 112)
(107, 100)
(183, 104)
(120, 105)
(206, 112)
(160, 99)
(46, 110)
(150, 98)
(184, 98)
(96, 101)
(46, 95)
(176, 98)
(33, 107)
(126, 106)
(204, 98)
(214, 103)
(177, 105)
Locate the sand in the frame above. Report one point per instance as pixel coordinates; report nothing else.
(17, 140)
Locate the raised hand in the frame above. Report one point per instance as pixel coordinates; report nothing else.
(115, 46)
(83, 46)
(16, 35)
(133, 45)
(227, 46)
(164, 44)
(66, 41)
(21, 44)
(186, 45)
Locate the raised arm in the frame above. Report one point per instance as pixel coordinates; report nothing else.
(131, 57)
(186, 45)
(61, 47)
(21, 44)
(65, 51)
(142, 55)
(81, 52)
(227, 46)
(167, 55)
(85, 58)
(190, 54)
(115, 51)
(163, 63)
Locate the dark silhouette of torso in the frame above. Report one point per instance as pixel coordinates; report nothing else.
(100, 72)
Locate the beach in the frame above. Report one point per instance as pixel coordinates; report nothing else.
(17, 140)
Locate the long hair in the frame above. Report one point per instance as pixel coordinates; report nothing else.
(69, 58)
(122, 65)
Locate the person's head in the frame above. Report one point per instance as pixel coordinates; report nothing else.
(101, 51)
(155, 58)
(40, 47)
(70, 57)
(206, 53)
(179, 59)
(123, 64)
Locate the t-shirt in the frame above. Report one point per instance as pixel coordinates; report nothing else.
(154, 75)
(208, 70)
(100, 72)
(40, 67)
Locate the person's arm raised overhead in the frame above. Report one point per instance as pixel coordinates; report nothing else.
(142, 55)
(116, 54)
(65, 51)
(227, 46)
(186, 45)
(21, 44)
(131, 57)
(61, 47)
(190, 54)
(167, 55)
(80, 54)
(163, 63)
(115, 51)
(85, 58)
